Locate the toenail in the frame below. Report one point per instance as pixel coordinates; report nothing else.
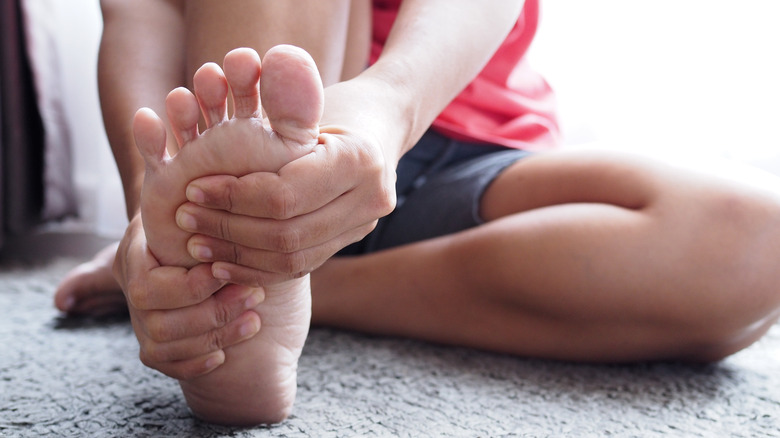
(69, 303)
(186, 221)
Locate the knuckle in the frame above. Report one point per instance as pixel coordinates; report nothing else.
(250, 278)
(182, 373)
(157, 329)
(386, 201)
(222, 315)
(293, 263)
(281, 203)
(137, 294)
(213, 341)
(366, 229)
(286, 240)
(152, 326)
(230, 194)
(224, 227)
(142, 355)
(236, 254)
(151, 355)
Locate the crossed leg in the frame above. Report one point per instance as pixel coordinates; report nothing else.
(584, 256)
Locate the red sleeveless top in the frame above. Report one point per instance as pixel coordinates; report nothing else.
(507, 103)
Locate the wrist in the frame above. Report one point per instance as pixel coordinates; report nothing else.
(369, 107)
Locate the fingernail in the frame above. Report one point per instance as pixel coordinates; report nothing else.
(186, 221)
(195, 194)
(201, 252)
(221, 274)
(254, 299)
(214, 361)
(248, 329)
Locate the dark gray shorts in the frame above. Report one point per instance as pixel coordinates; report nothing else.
(439, 187)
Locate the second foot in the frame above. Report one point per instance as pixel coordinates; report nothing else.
(90, 288)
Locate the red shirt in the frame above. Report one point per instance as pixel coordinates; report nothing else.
(507, 103)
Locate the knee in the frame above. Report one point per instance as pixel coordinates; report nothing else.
(713, 336)
(720, 344)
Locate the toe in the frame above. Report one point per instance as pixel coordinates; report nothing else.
(242, 69)
(292, 93)
(183, 114)
(211, 89)
(149, 134)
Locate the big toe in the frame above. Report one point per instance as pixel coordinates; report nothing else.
(292, 94)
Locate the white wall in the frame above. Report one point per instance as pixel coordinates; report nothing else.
(696, 75)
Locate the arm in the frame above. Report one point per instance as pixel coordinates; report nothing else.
(436, 47)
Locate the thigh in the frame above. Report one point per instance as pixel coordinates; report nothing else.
(565, 177)
(439, 186)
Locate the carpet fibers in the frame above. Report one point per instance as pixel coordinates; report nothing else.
(72, 378)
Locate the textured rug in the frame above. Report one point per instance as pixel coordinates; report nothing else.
(72, 378)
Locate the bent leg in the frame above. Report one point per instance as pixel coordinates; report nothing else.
(584, 257)
(210, 40)
(320, 28)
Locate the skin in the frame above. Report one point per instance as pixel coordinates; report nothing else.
(598, 257)
(257, 382)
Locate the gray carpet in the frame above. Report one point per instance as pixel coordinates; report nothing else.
(62, 377)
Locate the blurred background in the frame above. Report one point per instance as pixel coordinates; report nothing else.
(688, 80)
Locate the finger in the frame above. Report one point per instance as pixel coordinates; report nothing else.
(286, 236)
(242, 70)
(254, 268)
(190, 368)
(183, 114)
(301, 186)
(211, 90)
(218, 311)
(169, 287)
(238, 331)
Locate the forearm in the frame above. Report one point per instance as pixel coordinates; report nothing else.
(141, 59)
(435, 49)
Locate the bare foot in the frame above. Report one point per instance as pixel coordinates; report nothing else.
(257, 382)
(90, 289)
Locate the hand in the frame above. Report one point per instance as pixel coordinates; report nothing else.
(264, 227)
(182, 318)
